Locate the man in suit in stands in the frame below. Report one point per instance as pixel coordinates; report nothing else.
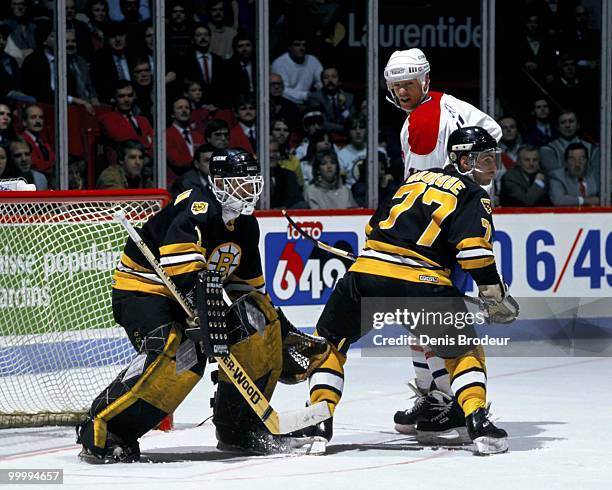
(575, 184)
(552, 154)
(110, 64)
(525, 185)
(38, 69)
(80, 86)
(243, 134)
(280, 106)
(335, 102)
(242, 64)
(43, 156)
(122, 124)
(181, 140)
(207, 68)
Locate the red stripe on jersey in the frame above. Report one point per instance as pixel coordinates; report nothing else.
(424, 125)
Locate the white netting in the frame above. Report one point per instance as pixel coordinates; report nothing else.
(59, 345)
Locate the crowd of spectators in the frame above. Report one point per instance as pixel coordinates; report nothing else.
(318, 128)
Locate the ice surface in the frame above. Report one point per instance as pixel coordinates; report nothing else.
(558, 412)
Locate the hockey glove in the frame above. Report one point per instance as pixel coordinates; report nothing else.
(500, 307)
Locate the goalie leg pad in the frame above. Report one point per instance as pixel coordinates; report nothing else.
(255, 340)
(142, 394)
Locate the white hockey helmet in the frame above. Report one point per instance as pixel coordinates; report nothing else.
(410, 64)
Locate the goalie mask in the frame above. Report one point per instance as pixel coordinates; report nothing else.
(484, 156)
(406, 65)
(235, 180)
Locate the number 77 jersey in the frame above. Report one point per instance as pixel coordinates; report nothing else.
(436, 219)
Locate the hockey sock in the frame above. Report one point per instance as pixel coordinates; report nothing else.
(423, 377)
(327, 381)
(469, 380)
(438, 372)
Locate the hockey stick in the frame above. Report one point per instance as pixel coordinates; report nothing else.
(348, 255)
(276, 423)
(319, 244)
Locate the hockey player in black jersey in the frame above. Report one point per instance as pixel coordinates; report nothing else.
(212, 229)
(436, 219)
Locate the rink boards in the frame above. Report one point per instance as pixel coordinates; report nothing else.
(561, 259)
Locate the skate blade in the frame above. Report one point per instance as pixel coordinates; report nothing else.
(409, 430)
(490, 445)
(451, 437)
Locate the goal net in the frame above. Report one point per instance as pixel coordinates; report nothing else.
(59, 344)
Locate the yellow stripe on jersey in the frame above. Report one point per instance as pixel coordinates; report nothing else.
(125, 260)
(473, 243)
(394, 249)
(368, 229)
(181, 248)
(176, 270)
(476, 262)
(129, 282)
(422, 275)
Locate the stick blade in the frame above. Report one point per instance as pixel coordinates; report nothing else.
(299, 419)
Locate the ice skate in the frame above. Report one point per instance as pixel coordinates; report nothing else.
(442, 421)
(488, 438)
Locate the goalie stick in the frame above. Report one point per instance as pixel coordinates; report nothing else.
(276, 423)
(319, 244)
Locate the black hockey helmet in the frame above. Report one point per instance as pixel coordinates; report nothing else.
(235, 180)
(233, 162)
(473, 141)
(469, 139)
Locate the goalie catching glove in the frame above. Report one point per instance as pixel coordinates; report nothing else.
(500, 307)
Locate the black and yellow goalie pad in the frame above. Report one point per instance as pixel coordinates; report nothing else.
(254, 336)
(263, 340)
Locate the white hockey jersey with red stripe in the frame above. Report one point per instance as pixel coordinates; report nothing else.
(427, 128)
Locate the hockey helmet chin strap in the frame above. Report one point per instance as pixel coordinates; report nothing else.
(237, 195)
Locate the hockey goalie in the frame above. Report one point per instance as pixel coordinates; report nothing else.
(201, 235)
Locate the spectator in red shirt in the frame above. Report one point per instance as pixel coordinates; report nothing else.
(181, 139)
(122, 124)
(243, 134)
(43, 155)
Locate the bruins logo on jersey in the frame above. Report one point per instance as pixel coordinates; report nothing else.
(486, 204)
(199, 207)
(225, 258)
